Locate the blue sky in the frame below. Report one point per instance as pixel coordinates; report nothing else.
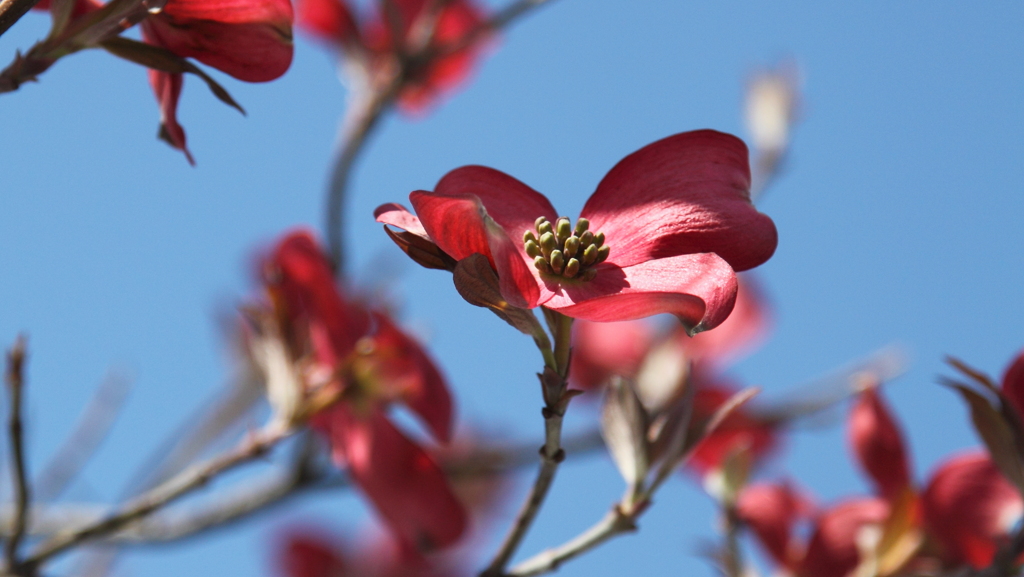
(898, 216)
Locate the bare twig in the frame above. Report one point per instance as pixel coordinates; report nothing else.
(614, 523)
(186, 481)
(12, 10)
(15, 385)
(554, 383)
(361, 118)
(90, 430)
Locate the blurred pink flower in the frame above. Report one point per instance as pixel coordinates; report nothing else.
(368, 363)
(431, 70)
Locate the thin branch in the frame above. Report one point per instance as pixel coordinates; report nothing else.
(554, 383)
(614, 523)
(362, 117)
(160, 496)
(22, 492)
(12, 10)
(92, 427)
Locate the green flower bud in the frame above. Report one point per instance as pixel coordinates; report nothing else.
(586, 239)
(572, 246)
(602, 253)
(589, 274)
(542, 265)
(557, 261)
(532, 248)
(599, 239)
(581, 226)
(547, 244)
(528, 236)
(563, 230)
(590, 255)
(572, 268)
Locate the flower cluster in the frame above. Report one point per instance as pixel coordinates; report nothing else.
(961, 515)
(333, 362)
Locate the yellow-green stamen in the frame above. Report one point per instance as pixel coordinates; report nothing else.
(561, 249)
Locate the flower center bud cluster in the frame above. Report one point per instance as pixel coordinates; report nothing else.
(565, 251)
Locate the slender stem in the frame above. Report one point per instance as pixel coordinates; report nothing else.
(732, 556)
(160, 496)
(551, 453)
(614, 523)
(12, 10)
(22, 492)
(362, 117)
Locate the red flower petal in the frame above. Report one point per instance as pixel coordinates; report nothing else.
(740, 430)
(1013, 383)
(403, 367)
(248, 39)
(699, 289)
(969, 507)
(331, 20)
(878, 444)
(309, 555)
(832, 551)
(771, 510)
(167, 88)
(301, 272)
(461, 214)
(688, 193)
(402, 481)
(743, 330)
(601, 350)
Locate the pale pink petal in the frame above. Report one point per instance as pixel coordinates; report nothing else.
(832, 550)
(877, 442)
(699, 289)
(1013, 384)
(167, 88)
(403, 482)
(688, 193)
(601, 350)
(969, 508)
(403, 370)
(398, 216)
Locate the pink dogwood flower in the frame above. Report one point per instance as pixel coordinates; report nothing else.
(250, 40)
(361, 358)
(665, 232)
(431, 67)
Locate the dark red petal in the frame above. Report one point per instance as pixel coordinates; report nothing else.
(688, 193)
(699, 289)
(311, 555)
(601, 350)
(832, 551)
(1013, 384)
(403, 368)
(331, 20)
(167, 88)
(877, 441)
(461, 223)
(300, 270)
(771, 510)
(969, 508)
(248, 39)
(745, 328)
(403, 482)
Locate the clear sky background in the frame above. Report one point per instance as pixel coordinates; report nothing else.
(899, 220)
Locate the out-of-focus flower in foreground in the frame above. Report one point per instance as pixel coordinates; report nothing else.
(427, 44)
(330, 361)
(665, 232)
